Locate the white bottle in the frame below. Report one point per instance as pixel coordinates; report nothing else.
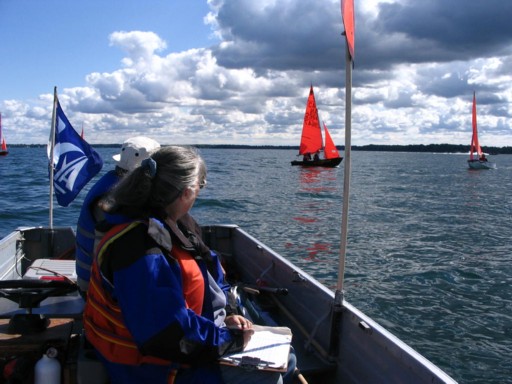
(47, 369)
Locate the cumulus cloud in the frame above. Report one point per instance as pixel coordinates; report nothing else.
(416, 67)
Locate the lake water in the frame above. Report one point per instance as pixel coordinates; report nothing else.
(429, 241)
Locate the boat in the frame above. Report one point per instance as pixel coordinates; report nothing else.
(477, 159)
(311, 143)
(41, 308)
(3, 146)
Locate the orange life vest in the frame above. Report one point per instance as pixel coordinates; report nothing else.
(103, 321)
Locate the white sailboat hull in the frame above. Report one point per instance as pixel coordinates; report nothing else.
(478, 164)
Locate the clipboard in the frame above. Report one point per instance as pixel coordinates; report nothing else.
(268, 350)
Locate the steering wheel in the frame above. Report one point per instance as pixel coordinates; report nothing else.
(30, 293)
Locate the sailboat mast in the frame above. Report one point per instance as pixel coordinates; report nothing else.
(319, 129)
(475, 129)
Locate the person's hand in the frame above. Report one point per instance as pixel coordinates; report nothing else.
(240, 323)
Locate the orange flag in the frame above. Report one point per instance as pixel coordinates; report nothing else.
(347, 12)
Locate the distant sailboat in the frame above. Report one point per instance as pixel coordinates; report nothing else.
(311, 140)
(477, 159)
(3, 149)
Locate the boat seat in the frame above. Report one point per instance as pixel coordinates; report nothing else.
(51, 269)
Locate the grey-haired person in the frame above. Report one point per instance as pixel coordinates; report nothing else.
(156, 309)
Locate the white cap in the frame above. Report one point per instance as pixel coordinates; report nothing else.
(134, 150)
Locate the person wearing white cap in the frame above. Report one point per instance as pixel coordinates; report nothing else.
(133, 151)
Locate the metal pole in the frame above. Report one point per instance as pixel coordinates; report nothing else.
(339, 293)
(52, 146)
(347, 171)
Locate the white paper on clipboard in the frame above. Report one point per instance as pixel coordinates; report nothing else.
(268, 349)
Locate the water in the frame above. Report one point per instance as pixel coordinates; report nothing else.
(429, 244)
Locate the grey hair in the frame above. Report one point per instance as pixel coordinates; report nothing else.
(143, 193)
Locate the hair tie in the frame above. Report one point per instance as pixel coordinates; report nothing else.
(150, 165)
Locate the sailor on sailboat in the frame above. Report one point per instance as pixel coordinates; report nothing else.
(311, 141)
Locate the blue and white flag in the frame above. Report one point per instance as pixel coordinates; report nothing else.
(75, 162)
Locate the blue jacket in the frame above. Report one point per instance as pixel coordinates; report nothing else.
(85, 236)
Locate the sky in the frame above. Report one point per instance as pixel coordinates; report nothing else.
(239, 71)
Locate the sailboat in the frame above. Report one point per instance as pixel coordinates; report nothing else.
(3, 149)
(311, 141)
(477, 159)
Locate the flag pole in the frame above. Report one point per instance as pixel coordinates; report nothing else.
(347, 172)
(52, 146)
(347, 12)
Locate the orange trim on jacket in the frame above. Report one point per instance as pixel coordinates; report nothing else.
(192, 279)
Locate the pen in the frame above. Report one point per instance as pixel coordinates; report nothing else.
(240, 327)
(249, 361)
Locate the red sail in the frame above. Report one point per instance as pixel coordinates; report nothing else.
(347, 12)
(475, 145)
(311, 140)
(3, 147)
(330, 150)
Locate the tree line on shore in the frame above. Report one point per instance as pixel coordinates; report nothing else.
(430, 148)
